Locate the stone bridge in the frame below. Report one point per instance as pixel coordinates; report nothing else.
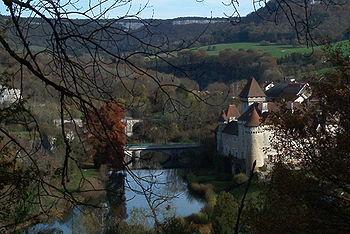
(133, 152)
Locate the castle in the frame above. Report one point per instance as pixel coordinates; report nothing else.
(246, 137)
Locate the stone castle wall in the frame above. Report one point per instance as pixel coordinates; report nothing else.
(252, 143)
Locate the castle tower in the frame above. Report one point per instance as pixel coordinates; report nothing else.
(254, 138)
(231, 114)
(251, 93)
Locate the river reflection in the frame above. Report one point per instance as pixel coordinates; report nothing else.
(139, 197)
(164, 191)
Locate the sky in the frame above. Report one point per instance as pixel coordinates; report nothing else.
(206, 8)
(167, 9)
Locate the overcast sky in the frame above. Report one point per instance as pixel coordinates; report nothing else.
(166, 9)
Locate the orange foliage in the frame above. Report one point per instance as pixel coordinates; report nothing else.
(107, 135)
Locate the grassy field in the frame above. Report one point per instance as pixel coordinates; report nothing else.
(275, 50)
(86, 176)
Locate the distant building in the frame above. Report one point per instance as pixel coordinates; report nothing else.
(288, 91)
(130, 123)
(72, 122)
(9, 96)
(247, 137)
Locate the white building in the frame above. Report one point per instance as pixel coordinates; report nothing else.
(9, 96)
(247, 137)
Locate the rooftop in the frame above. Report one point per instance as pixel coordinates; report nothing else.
(287, 91)
(231, 112)
(254, 119)
(252, 89)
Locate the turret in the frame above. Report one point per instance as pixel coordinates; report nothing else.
(255, 139)
(251, 93)
(231, 114)
(251, 123)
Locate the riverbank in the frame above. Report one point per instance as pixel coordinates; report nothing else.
(209, 179)
(195, 207)
(210, 185)
(131, 208)
(86, 185)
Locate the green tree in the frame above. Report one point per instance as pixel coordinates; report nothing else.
(309, 189)
(225, 213)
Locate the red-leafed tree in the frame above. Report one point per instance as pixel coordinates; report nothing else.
(107, 135)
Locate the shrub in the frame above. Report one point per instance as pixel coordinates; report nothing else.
(199, 218)
(264, 43)
(240, 178)
(124, 227)
(206, 190)
(200, 189)
(225, 213)
(175, 226)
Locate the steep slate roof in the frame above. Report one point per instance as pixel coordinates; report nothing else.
(252, 89)
(231, 128)
(232, 112)
(285, 90)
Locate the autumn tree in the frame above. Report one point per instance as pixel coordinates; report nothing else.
(107, 148)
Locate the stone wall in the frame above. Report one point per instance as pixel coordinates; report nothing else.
(230, 145)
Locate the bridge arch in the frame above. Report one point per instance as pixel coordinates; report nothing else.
(137, 128)
(141, 153)
(154, 158)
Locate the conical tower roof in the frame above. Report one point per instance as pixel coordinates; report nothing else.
(232, 112)
(254, 119)
(252, 89)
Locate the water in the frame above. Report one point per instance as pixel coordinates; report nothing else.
(163, 190)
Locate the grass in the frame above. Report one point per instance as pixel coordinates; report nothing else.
(77, 178)
(220, 182)
(253, 191)
(236, 185)
(275, 50)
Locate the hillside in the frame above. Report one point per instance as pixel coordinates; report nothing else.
(195, 31)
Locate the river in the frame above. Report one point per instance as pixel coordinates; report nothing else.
(163, 190)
